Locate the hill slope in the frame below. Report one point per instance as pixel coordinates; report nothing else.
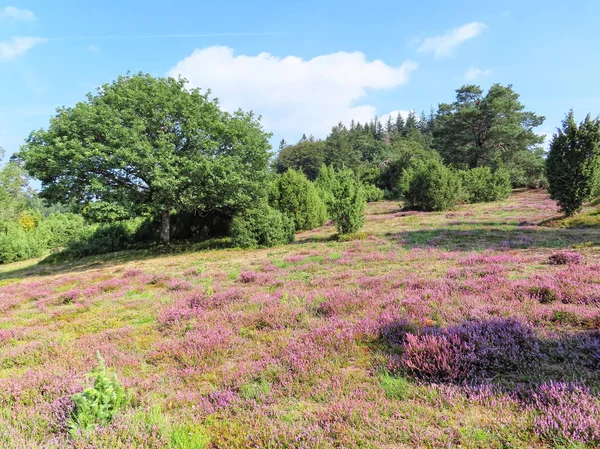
(306, 345)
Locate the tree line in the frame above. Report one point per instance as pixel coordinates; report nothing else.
(147, 159)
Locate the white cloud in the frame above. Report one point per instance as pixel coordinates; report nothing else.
(12, 13)
(445, 45)
(475, 72)
(293, 95)
(18, 46)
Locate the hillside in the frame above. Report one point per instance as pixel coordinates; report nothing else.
(306, 346)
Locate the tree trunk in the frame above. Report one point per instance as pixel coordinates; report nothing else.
(165, 227)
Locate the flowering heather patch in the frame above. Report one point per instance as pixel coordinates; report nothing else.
(297, 356)
(566, 258)
(294, 258)
(475, 349)
(132, 272)
(567, 413)
(247, 277)
(178, 285)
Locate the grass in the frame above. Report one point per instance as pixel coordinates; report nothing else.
(302, 346)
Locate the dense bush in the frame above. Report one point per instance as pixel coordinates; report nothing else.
(573, 163)
(431, 186)
(263, 226)
(297, 197)
(474, 349)
(566, 258)
(482, 185)
(403, 156)
(372, 193)
(527, 169)
(347, 208)
(108, 237)
(59, 230)
(18, 244)
(98, 404)
(324, 183)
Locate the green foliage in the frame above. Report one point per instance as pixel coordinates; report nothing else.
(103, 212)
(256, 389)
(152, 146)
(431, 186)
(480, 130)
(98, 404)
(347, 208)
(18, 244)
(339, 150)
(482, 185)
(59, 230)
(527, 169)
(325, 182)
(372, 193)
(395, 387)
(263, 226)
(306, 156)
(14, 191)
(403, 154)
(106, 238)
(177, 434)
(188, 437)
(573, 164)
(297, 197)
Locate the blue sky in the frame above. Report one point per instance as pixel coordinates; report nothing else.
(302, 64)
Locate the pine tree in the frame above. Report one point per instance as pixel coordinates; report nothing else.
(400, 124)
(389, 127)
(282, 144)
(573, 163)
(411, 123)
(379, 131)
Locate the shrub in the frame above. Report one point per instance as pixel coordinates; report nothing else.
(263, 226)
(297, 197)
(471, 350)
(373, 193)
(568, 413)
(107, 237)
(573, 163)
(18, 244)
(499, 345)
(347, 208)
(404, 155)
(59, 230)
(431, 186)
(98, 404)
(565, 258)
(526, 168)
(482, 185)
(325, 182)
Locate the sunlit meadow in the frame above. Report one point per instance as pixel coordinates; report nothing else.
(475, 328)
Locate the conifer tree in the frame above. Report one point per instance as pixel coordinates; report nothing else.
(573, 163)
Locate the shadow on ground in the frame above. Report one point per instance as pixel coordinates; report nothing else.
(60, 264)
(496, 238)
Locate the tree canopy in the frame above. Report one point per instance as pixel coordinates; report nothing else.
(489, 129)
(14, 189)
(151, 146)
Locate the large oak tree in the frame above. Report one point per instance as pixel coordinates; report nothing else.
(150, 146)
